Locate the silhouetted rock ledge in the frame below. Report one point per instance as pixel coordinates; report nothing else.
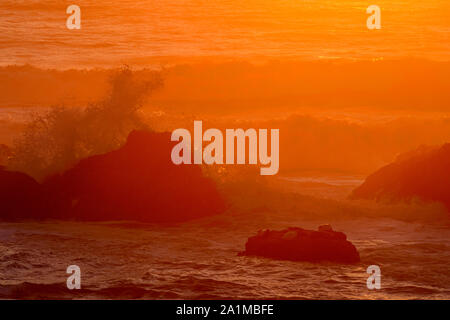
(423, 173)
(137, 182)
(297, 244)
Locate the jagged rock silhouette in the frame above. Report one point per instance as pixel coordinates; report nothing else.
(136, 182)
(423, 173)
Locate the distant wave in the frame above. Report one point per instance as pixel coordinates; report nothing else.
(330, 119)
(259, 30)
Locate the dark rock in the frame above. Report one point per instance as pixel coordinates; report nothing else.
(137, 182)
(20, 196)
(424, 174)
(297, 244)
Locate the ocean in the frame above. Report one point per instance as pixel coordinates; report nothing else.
(410, 242)
(159, 32)
(199, 259)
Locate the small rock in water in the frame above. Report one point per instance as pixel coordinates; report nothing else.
(297, 244)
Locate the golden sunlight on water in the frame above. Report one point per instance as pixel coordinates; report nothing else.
(149, 31)
(347, 100)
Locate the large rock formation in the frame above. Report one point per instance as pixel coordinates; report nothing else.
(136, 182)
(299, 244)
(424, 174)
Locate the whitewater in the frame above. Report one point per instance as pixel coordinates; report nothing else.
(198, 259)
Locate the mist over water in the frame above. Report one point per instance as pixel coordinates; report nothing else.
(55, 139)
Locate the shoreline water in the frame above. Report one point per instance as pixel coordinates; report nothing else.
(196, 260)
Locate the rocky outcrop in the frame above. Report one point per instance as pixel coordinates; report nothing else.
(297, 244)
(424, 174)
(136, 182)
